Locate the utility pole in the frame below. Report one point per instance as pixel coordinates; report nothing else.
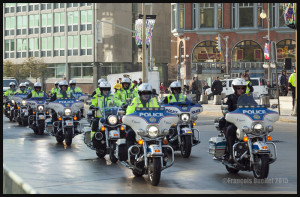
(144, 69)
(294, 113)
(269, 40)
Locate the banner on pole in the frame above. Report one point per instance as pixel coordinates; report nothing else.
(266, 52)
(150, 21)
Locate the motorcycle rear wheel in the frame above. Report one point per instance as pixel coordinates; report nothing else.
(261, 168)
(35, 130)
(154, 170)
(186, 146)
(59, 139)
(68, 136)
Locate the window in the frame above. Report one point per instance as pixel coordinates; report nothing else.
(81, 70)
(206, 15)
(57, 70)
(59, 22)
(86, 20)
(259, 20)
(247, 51)
(21, 7)
(181, 16)
(10, 7)
(220, 15)
(33, 24)
(9, 48)
(33, 7)
(246, 14)
(21, 48)
(10, 23)
(69, 5)
(206, 51)
(272, 14)
(281, 15)
(46, 6)
(46, 46)
(59, 45)
(59, 5)
(86, 45)
(85, 4)
(194, 15)
(46, 23)
(173, 16)
(21, 25)
(73, 21)
(72, 45)
(233, 8)
(33, 47)
(286, 49)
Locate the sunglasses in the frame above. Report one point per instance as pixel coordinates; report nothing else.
(240, 88)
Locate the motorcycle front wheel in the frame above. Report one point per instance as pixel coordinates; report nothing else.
(111, 153)
(41, 127)
(186, 146)
(100, 153)
(68, 136)
(154, 170)
(261, 166)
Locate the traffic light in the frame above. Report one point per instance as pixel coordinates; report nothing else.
(219, 48)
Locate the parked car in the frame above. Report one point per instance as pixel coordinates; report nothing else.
(259, 87)
(6, 82)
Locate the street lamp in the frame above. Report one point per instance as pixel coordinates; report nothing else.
(264, 15)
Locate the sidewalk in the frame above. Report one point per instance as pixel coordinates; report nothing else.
(285, 109)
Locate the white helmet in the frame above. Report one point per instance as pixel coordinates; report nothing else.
(238, 82)
(56, 83)
(100, 80)
(63, 83)
(72, 82)
(27, 83)
(22, 85)
(37, 84)
(104, 85)
(125, 80)
(145, 87)
(175, 85)
(12, 84)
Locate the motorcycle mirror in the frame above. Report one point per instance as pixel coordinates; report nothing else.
(274, 106)
(121, 113)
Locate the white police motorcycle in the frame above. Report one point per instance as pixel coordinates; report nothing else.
(182, 135)
(252, 148)
(151, 125)
(20, 109)
(68, 125)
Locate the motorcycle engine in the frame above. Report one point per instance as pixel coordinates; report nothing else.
(240, 149)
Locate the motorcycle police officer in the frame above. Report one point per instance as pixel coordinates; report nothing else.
(105, 99)
(12, 89)
(22, 89)
(37, 92)
(176, 95)
(55, 89)
(239, 87)
(73, 87)
(97, 90)
(28, 88)
(125, 92)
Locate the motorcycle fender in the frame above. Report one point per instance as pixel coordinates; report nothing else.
(186, 131)
(41, 117)
(154, 150)
(121, 141)
(68, 123)
(114, 134)
(260, 147)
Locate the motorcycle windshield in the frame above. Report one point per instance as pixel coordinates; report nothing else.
(59, 104)
(107, 111)
(246, 100)
(19, 97)
(183, 107)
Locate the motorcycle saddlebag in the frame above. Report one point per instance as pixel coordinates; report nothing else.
(217, 146)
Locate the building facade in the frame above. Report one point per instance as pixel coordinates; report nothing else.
(196, 26)
(82, 41)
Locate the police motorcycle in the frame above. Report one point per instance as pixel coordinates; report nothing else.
(36, 121)
(252, 148)
(110, 129)
(9, 108)
(20, 108)
(151, 126)
(69, 114)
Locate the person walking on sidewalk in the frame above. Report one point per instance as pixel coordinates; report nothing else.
(292, 85)
(217, 87)
(282, 82)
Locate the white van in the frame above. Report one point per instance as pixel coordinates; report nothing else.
(259, 87)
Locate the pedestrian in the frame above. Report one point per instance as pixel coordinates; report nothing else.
(247, 72)
(282, 82)
(217, 87)
(162, 88)
(292, 85)
(140, 81)
(198, 88)
(191, 86)
(186, 89)
(117, 86)
(206, 86)
(249, 87)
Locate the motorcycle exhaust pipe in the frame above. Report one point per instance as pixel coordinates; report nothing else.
(134, 150)
(98, 136)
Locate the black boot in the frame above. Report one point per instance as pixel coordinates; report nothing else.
(230, 142)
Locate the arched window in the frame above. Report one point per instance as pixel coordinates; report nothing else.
(206, 52)
(247, 51)
(286, 49)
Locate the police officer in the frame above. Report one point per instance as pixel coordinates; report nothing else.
(239, 87)
(176, 95)
(22, 89)
(105, 99)
(37, 91)
(73, 87)
(55, 89)
(63, 91)
(125, 92)
(292, 85)
(249, 87)
(97, 90)
(12, 89)
(144, 99)
(28, 88)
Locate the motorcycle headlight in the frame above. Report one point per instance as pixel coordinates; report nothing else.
(153, 131)
(257, 129)
(68, 112)
(185, 117)
(23, 102)
(12, 101)
(112, 119)
(40, 107)
(269, 128)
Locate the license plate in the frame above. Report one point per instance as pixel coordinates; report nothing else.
(188, 131)
(41, 117)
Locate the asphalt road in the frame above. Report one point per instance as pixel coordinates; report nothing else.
(53, 168)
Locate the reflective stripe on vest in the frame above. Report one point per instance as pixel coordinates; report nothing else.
(247, 87)
(59, 94)
(180, 99)
(35, 94)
